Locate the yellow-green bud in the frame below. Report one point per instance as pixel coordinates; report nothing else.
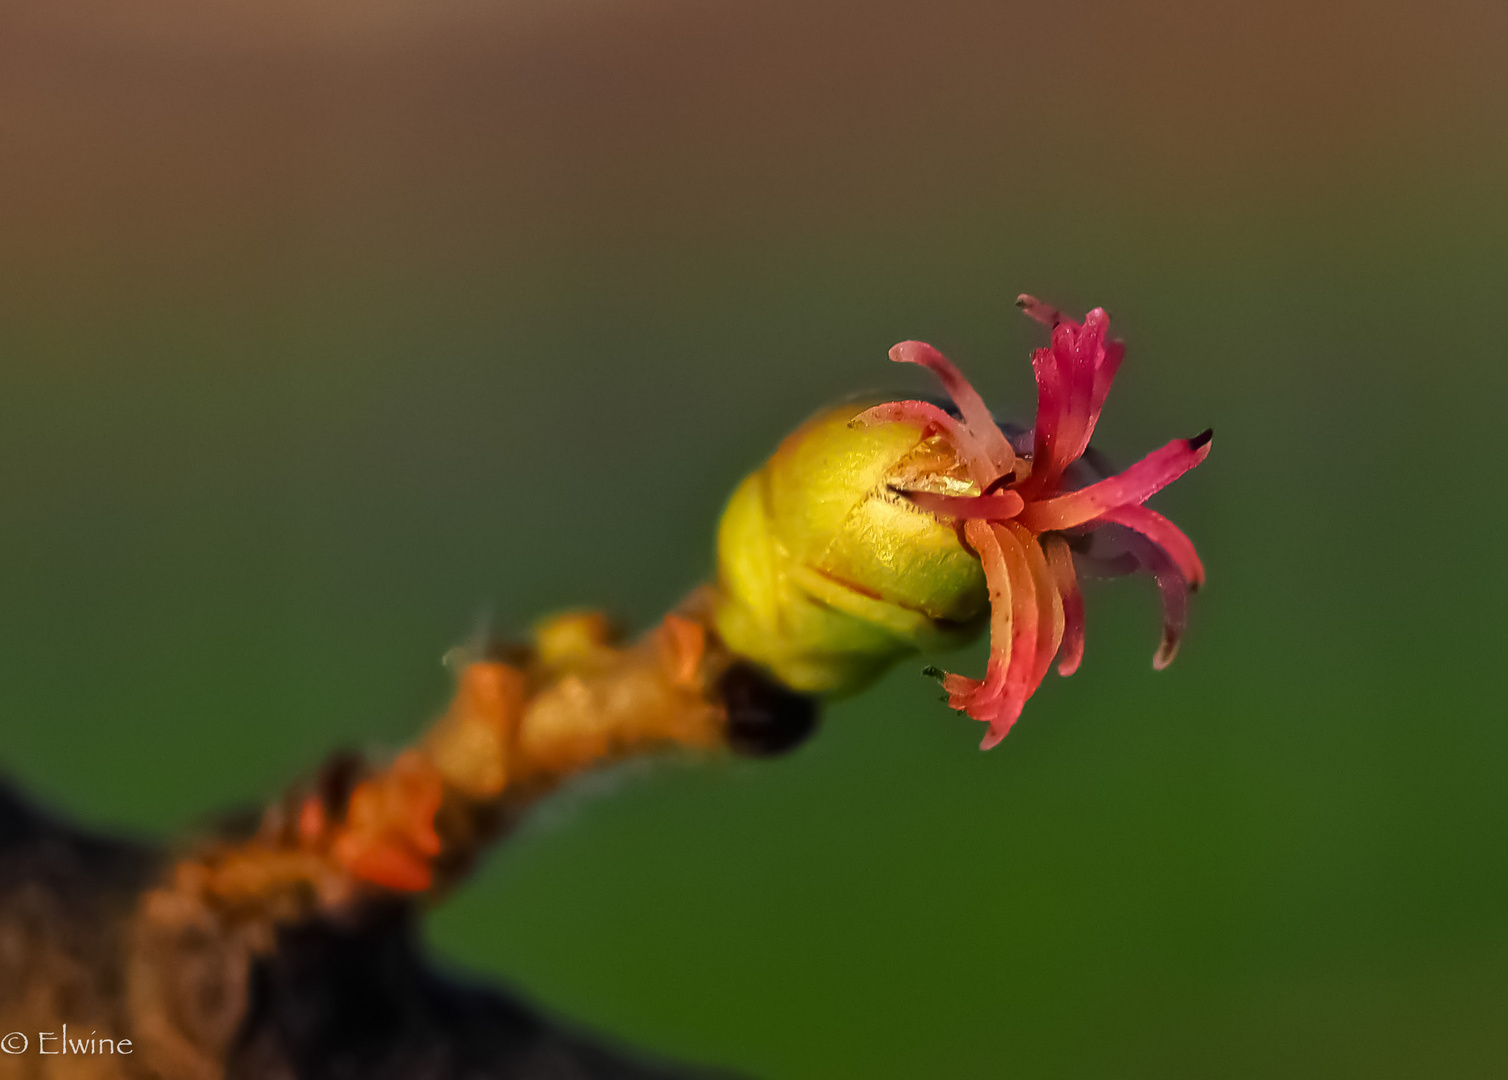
(826, 575)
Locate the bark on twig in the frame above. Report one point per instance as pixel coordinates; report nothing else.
(288, 951)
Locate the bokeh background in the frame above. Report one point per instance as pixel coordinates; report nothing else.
(328, 328)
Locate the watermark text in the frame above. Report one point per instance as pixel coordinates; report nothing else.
(61, 1042)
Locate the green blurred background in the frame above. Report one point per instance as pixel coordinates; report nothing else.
(328, 328)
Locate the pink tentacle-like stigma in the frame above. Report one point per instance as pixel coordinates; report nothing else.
(1017, 526)
(1073, 374)
(932, 418)
(962, 690)
(1027, 624)
(1066, 580)
(1080, 348)
(976, 414)
(1001, 707)
(1134, 486)
(1173, 587)
(1033, 308)
(1164, 535)
(1051, 622)
(998, 507)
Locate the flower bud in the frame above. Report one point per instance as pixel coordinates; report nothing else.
(827, 574)
(876, 533)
